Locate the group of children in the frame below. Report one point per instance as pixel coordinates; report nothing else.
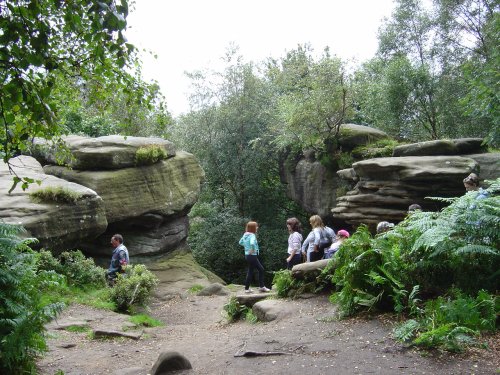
(321, 242)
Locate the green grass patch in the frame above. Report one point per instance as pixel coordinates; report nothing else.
(195, 289)
(379, 149)
(150, 154)
(55, 194)
(144, 320)
(77, 329)
(98, 298)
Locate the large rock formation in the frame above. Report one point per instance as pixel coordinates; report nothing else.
(313, 184)
(148, 204)
(382, 188)
(385, 187)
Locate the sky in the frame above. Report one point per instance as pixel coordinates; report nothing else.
(190, 35)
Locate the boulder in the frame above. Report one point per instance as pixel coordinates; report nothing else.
(250, 299)
(108, 152)
(352, 135)
(271, 309)
(148, 203)
(215, 289)
(309, 270)
(441, 147)
(177, 272)
(316, 186)
(56, 225)
(489, 165)
(312, 185)
(387, 186)
(169, 362)
(169, 187)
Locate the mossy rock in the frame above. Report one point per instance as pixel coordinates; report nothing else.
(352, 136)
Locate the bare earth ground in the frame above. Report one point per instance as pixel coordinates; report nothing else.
(313, 340)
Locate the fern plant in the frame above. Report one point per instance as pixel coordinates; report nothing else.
(450, 323)
(459, 245)
(22, 315)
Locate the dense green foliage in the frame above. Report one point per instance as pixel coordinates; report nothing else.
(133, 288)
(43, 39)
(35, 286)
(22, 314)
(312, 99)
(425, 256)
(79, 270)
(434, 74)
(450, 322)
(234, 311)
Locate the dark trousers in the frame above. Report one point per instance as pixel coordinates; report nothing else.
(254, 263)
(297, 259)
(316, 255)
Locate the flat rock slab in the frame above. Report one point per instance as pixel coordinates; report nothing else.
(309, 270)
(66, 323)
(106, 333)
(215, 289)
(250, 299)
(271, 309)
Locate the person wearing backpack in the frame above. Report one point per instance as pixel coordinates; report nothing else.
(317, 240)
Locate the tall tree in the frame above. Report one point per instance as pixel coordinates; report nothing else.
(312, 98)
(427, 80)
(472, 27)
(227, 132)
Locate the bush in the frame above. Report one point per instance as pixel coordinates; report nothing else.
(288, 287)
(234, 311)
(78, 269)
(150, 154)
(450, 323)
(133, 288)
(22, 314)
(427, 253)
(57, 194)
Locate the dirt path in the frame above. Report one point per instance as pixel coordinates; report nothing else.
(313, 340)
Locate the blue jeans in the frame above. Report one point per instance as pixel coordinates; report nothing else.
(253, 262)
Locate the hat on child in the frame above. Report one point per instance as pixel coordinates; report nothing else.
(384, 226)
(343, 233)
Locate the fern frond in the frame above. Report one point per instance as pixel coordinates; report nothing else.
(476, 249)
(406, 331)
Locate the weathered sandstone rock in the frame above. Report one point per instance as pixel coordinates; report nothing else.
(56, 225)
(441, 147)
(313, 185)
(108, 152)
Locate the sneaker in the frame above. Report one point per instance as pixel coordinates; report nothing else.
(264, 289)
(248, 291)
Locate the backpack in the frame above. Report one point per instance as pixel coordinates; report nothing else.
(325, 241)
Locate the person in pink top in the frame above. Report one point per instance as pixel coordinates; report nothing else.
(342, 235)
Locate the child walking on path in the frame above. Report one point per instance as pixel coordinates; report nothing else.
(251, 246)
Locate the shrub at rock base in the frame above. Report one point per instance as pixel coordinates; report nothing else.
(133, 288)
(78, 269)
